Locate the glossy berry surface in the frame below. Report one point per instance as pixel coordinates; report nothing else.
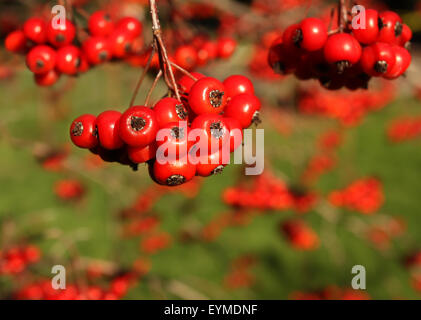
(207, 95)
(41, 59)
(82, 131)
(107, 124)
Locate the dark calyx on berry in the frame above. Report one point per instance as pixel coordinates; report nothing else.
(215, 97)
(103, 55)
(137, 123)
(40, 64)
(175, 180)
(298, 37)
(60, 38)
(398, 29)
(218, 170)
(341, 66)
(217, 130)
(181, 111)
(256, 118)
(380, 66)
(177, 132)
(77, 129)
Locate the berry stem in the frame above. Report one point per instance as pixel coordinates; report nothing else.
(342, 15)
(184, 71)
(158, 76)
(142, 77)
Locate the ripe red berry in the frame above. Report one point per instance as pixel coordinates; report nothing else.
(100, 24)
(207, 95)
(402, 62)
(41, 59)
(120, 43)
(96, 50)
(390, 27)
(138, 126)
(406, 35)
(186, 57)
(61, 36)
(175, 137)
(169, 110)
(237, 84)
(47, 79)
(311, 34)
(68, 60)
(211, 164)
(173, 173)
(214, 129)
(226, 47)
(370, 33)
(343, 50)
(15, 41)
(142, 154)
(245, 108)
(82, 131)
(107, 130)
(185, 82)
(377, 59)
(131, 25)
(35, 29)
(207, 52)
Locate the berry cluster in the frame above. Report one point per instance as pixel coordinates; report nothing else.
(347, 107)
(217, 111)
(42, 290)
(347, 57)
(55, 50)
(405, 129)
(16, 259)
(364, 195)
(269, 193)
(300, 235)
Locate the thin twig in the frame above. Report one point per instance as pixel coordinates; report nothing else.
(158, 76)
(184, 71)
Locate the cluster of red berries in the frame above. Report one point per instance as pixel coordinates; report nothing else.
(42, 290)
(217, 110)
(344, 59)
(54, 50)
(267, 192)
(16, 259)
(69, 189)
(404, 129)
(331, 293)
(347, 107)
(300, 235)
(364, 195)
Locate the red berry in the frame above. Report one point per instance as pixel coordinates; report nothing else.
(142, 154)
(61, 36)
(377, 59)
(402, 62)
(214, 129)
(173, 173)
(131, 25)
(169, 110)
(390, 27)
(120, 43)
(97, 50)
(207, 95)
(100, 24)
(15, 41)
(175, 137)
(226, 47)
(210, 164)
(185, 82)
(82, 131)
(138, 126)
(68, 60)
(186, 57)
(237, 84)
(369, 34)
(311, 35)
(343, 50)
(207, 52)
(35, 29)
(107, 130)
(245, 108)
(41, 59)
(406, 35)
(47, 79)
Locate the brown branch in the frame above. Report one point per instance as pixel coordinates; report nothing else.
(183, 71)
(158, 76)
